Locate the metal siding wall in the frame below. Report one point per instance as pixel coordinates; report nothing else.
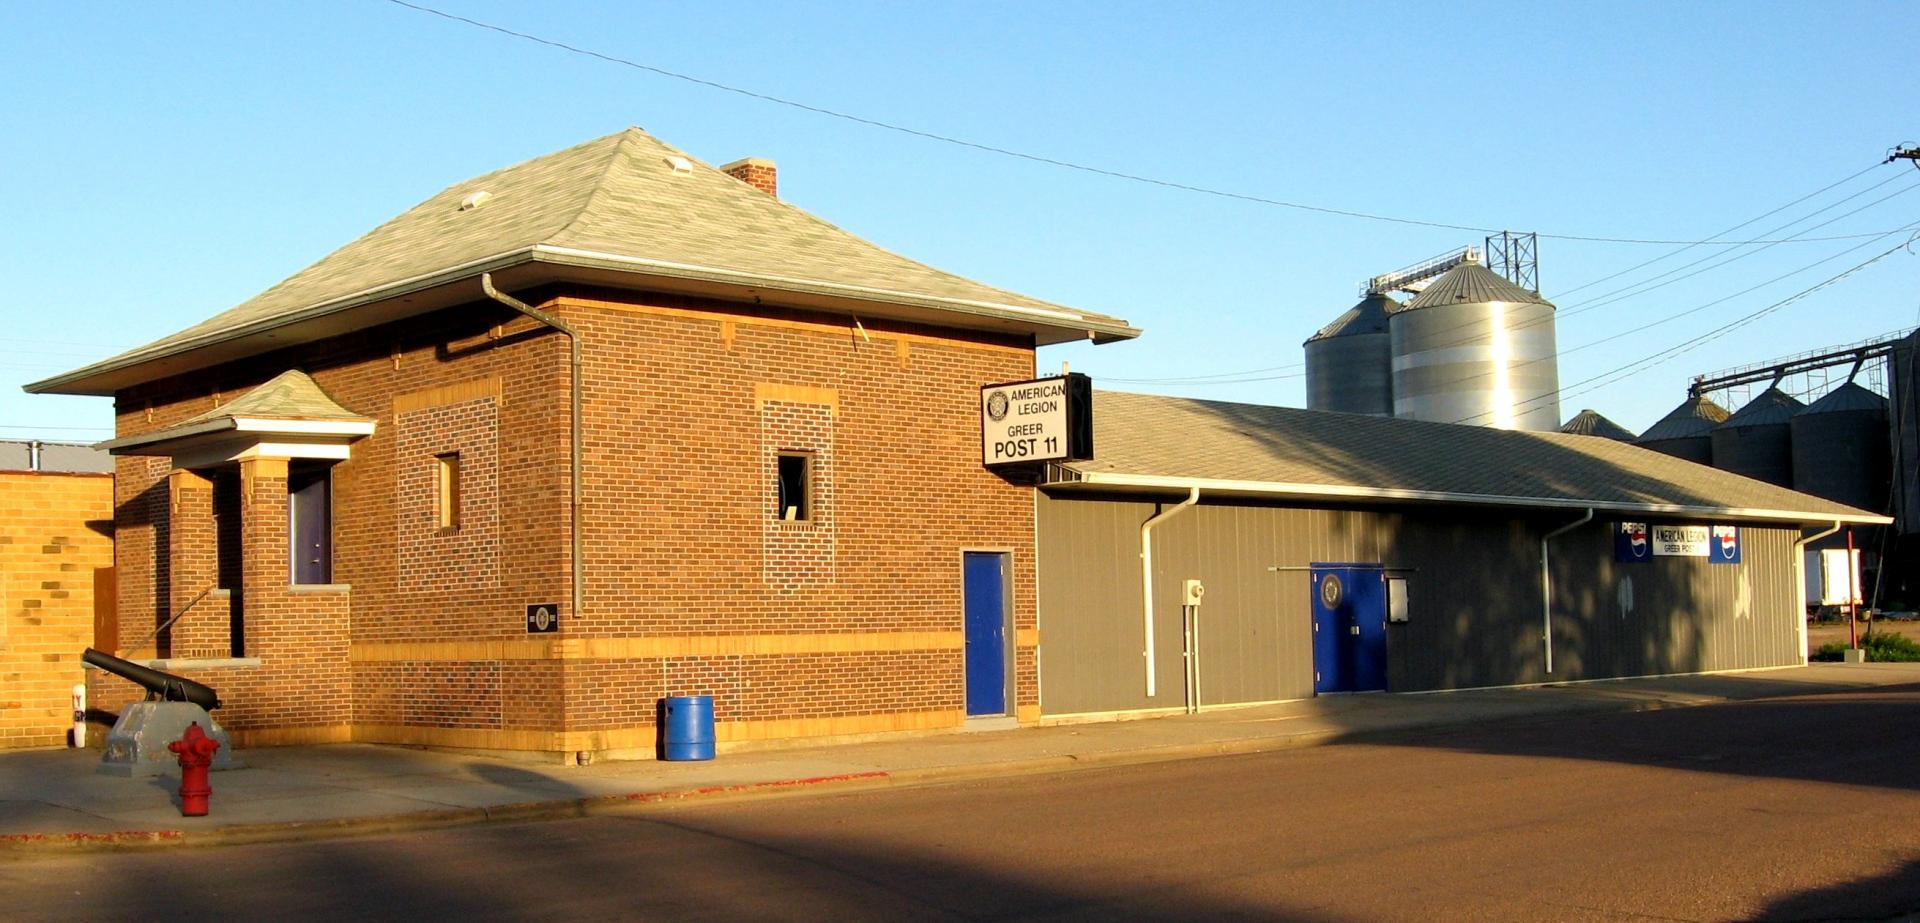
(1089, 606)
(1475, 601)
(1687, 615)
(1475, 592)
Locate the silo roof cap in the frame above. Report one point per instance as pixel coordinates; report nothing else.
(1848, 398)
(1589, 422)
(1470, 283)
(1369, 316)
(1772, 407)
(1696, 416)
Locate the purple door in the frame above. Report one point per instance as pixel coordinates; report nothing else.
(310, 523)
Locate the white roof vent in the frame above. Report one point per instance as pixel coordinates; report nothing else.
(474, 200)
(681, 165)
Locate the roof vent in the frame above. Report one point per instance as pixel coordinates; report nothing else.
(474, 200)
(681, 165)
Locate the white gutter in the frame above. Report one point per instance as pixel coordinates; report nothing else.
(1800, 582)
(1353, 492)
(1146, 576)
(1546, 586)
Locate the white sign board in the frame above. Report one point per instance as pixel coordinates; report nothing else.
(1681, 541)
(1839, 577)
(1024, 421)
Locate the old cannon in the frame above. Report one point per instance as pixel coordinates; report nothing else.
(160, 685)
(137, 745)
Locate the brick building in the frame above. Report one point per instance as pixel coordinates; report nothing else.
(56, 548)
(602, 427)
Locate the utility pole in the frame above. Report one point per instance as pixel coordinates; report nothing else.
(1910, 153)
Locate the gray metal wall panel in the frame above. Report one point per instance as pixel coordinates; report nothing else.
(1475, 600)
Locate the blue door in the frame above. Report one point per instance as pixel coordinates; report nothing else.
(985, 588)
(1349, 627)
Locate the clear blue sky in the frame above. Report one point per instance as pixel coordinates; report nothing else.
(166, 161)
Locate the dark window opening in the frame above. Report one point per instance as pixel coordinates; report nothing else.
(227, 537)
(796, 470)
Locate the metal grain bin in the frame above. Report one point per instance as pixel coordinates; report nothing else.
(1757, 441)
(1687, 430)
(1475, 348)
(1840, 448)
(1349, 368)
(1589, 422)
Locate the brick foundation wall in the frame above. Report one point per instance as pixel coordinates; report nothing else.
(53, 538)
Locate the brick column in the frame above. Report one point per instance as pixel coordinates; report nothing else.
(300, 691)
(192, 567)
(264, 556)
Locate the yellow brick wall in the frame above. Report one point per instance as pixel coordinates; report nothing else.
(54, 532)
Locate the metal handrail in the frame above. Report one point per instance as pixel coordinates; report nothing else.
(203, 594)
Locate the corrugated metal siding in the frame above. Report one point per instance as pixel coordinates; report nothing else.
(1474, 591)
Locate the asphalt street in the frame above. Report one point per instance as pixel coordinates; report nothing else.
(1785, 809)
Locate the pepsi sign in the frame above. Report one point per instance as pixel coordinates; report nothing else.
(1630, 542)
(1638, 542)
(1725, 547)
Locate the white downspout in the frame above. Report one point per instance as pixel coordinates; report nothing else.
(1146, 576)
(1800, 584)
(1546, 585)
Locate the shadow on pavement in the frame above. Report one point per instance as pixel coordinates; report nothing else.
(1805, 738)
(1895, 893)
(634, 868)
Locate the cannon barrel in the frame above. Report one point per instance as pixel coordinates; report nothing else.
(167, 686)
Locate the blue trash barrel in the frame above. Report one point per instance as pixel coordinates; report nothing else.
(686, 727)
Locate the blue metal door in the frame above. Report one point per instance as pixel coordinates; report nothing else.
(1327, 630)
(1349, 627)
(1367, 608)
(985, 588)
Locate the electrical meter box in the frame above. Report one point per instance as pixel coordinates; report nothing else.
(1191, 593)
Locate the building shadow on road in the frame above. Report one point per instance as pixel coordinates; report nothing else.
(1895, 893)
(1858, 738)
(654, 867)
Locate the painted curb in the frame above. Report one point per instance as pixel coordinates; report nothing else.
(342, 828)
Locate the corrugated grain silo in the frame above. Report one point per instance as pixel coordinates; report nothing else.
(1687, 430)
(1589, 422)
(1840, 448)
(1757, 440)
(1349, 367)
(1475, 348)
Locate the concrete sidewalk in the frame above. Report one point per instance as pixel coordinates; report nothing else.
(53, 799)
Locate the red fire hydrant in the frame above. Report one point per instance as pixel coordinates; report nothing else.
(196, 754)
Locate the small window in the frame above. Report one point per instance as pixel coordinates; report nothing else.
(447, 502)
(796, 474)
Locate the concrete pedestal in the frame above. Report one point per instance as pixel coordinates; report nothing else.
(1854, 655)
(137, 745)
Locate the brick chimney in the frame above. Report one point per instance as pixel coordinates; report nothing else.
(757, 172)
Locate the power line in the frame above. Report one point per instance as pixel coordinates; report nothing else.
(1643, 286)
(1677, 252)
(1240, 377)
(1604, 300)
(1690, 344)
(1053, 161)
(87, 429)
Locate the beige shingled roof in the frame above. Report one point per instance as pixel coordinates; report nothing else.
(616, 204)
(291, 396)
(1149, 442)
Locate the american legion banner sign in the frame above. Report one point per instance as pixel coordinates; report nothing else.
(1639, 541)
